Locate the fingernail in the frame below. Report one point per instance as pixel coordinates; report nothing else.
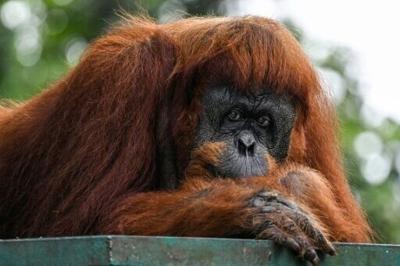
(332, 252)
(315, 261)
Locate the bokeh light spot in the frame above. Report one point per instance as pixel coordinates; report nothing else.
(14, 13)
(367, 143)
(28, 45)
(74, 50)
(376, 168)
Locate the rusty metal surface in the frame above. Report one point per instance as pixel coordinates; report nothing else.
(137, 250)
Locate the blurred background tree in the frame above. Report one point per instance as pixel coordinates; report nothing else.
(41, 39)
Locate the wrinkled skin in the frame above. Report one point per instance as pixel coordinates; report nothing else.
(252, 126)
(286, 224)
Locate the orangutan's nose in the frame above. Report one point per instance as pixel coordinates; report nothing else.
(246, 143)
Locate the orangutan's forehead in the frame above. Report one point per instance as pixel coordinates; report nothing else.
(226, 94)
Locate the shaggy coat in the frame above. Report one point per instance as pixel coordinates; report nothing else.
(84, 156)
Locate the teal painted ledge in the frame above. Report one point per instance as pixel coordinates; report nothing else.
(136, 250)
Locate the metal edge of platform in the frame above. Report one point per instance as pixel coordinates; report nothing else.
(141, 250)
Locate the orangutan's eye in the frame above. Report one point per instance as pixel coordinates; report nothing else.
(234, 115)
(264, 120)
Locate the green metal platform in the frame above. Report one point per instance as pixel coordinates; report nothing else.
(137, 250)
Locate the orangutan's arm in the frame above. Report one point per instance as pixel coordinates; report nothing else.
(219, 208)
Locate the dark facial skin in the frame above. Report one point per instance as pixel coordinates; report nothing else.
(252, 126)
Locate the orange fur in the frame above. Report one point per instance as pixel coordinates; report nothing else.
(303, 185)
(81, 158)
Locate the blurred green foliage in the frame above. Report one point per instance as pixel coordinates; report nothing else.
(40, 45)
